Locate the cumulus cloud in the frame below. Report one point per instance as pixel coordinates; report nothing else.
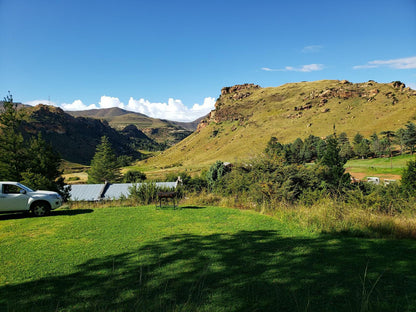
(401, 63)
(312, 49)
(108, 102)
(36, 102)
(304, 68)
(172, 110)
(77, 105)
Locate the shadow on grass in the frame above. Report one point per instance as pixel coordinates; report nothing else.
(23, 215)
(246, 271)
(70, 212)
(192, 207)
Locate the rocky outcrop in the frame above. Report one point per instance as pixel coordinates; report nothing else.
(342, 90)
(398, 85)
(238, 88)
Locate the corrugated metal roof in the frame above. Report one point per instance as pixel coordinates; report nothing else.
(88, 192)
(115, 191)
(92, 192)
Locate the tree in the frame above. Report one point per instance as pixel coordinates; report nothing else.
(133, 176)
(104, 165)
(335, 175)
(12, 145)
(400, 138)
(388, 137)
(345, 146)
(361, 146)
(43, 167)
(296, 155)
(376, 146)
(310, 148)
(32, 161)
(273, 147)
(408, 180)
(410, 136)
(215, 173)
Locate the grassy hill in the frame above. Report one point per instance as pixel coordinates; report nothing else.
(247, 116)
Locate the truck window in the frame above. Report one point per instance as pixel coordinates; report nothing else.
(11, 189)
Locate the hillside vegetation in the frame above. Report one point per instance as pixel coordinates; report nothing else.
(247, 116)
(162, 131)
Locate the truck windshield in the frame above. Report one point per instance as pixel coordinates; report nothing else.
(24, 187)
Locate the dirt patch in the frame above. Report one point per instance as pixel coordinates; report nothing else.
(362, 176)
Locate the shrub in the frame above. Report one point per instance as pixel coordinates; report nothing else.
(132, 176)
(146, 193)
(378, 198)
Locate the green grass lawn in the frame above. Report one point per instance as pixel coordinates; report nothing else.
(379, 166)
(195, 259)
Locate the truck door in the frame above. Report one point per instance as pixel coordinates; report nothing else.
(12, 198)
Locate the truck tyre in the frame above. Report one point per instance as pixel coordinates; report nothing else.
(41, 209)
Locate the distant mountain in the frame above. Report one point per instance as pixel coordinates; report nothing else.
(247, 116)
(76, 138)
(19, 105)
(160, 130)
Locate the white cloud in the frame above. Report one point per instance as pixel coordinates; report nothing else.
(312, 49)
(401, 63)
(304, 68)
(77, 105)
(172, 110)
(108, 102)
(36, 102)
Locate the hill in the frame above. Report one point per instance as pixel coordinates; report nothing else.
(160, 130)
(247, 116)
(76, 138)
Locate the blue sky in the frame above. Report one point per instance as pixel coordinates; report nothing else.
(170, 59)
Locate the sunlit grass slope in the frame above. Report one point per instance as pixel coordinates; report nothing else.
(195, 259)
(287, 112)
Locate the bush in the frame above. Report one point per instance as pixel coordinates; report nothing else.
(378, 198)
(146, 193)
(132, 176)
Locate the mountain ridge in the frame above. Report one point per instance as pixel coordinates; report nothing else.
(76, 138)
(160, 130)
(247, 116)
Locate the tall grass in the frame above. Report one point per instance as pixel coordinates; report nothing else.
(326, 216)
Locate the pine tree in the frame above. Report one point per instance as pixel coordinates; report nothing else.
(335, 175)
(408, 181)
(104, 165)
(410, 136)
(32, 162)
(43, 167)
(12, 145)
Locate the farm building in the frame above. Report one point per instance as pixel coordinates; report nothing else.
(108, 191)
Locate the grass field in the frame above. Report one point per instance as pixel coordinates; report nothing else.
(381, 167)
(195, 259)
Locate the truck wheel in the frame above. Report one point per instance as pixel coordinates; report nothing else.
(41, 209)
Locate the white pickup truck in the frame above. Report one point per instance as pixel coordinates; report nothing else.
(15, 197)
